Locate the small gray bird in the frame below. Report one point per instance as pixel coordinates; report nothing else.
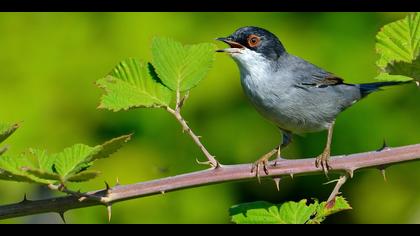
(295, 95)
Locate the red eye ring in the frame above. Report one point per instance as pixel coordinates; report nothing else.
(253, 40)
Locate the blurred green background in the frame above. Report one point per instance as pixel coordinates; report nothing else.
(49, 62)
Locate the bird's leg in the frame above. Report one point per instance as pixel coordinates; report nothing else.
(263, 161)
(322, 159)
(287, 139)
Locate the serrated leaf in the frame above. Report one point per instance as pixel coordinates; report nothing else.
(74, 159)
(111, 146)
(267, 213)
(36, 166)
(80, 157)
(398, 45)
(181, 67)
(325, 209)
(388, 77)
(6, 130)
(83, 176)
(42, 174)
(12, 169)
(43, 167)
(131, 84)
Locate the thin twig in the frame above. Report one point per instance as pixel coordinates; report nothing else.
(339, 164)
(341, 181)
(211, 159)
(81, 196)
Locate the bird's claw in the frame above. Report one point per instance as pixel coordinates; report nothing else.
(256, 167)
(323, 162)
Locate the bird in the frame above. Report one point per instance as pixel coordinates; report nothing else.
(295, 95)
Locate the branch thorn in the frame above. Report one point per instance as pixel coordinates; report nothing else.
(61, 214)
(208, 163)
(25, 199)
(107, 188)
(382, 169)
(162, 191)
(118, 182)
(277, 182)
(384, 147)
(291, 175)
(109, 212)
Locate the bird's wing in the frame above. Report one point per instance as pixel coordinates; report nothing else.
(322, 80)
(310, 75)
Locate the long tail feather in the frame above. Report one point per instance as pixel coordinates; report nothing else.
(368, 88)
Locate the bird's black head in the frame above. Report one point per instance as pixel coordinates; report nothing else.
(257, 39)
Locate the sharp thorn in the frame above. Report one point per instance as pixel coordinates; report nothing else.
(277, 182)
(61, 214)
(109, 212)
(25, 199)
(291, 175)
(202, 162)
(384, 147)
(332, 181)
(107, 188)
(81, 199)
(162, 191)
(383, 174)
(417, 83)
(118, 182)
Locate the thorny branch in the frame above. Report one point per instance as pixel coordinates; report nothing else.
(344, 165)
(177, 114)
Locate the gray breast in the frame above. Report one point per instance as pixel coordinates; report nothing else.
(278, 97)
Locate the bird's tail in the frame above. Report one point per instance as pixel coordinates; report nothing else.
(368, 88)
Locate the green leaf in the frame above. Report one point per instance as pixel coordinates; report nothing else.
(6, 130)
(111, 146)
(181, 67)
(80, 157)
(73, 160)
(325, 209)
(286, 213)
(83, 176)
(398, 45)
(267, 213)
(13, 169)
(36, 166)
(131, 84)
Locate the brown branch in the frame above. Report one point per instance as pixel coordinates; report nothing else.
(340, 164)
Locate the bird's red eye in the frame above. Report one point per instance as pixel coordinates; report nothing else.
(253, 40)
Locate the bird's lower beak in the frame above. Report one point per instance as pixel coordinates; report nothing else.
(234, 46)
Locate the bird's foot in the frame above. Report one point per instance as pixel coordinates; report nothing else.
(263, 161)
(323, 161)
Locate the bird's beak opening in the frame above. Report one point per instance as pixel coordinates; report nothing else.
(235, 47)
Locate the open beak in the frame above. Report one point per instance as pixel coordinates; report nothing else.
(234, 46)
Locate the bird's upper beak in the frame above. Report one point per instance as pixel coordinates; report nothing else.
(234, 46)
